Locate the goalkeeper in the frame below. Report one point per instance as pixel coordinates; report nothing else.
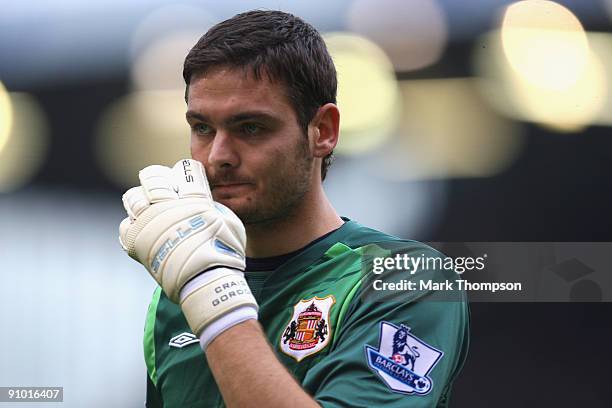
(265, 296)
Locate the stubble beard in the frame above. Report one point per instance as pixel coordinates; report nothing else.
(285, 191)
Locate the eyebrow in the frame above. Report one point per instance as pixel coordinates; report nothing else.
(237, 118)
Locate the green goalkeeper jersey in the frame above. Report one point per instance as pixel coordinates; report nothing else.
(348, 344)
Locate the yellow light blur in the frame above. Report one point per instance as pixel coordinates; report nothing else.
(148, 125)
(141, 129)
(368, 95)
(544, 43)
(26, 146)
(448, 130)
(161, 41)
(412, 33)
(601, 45)
(562, 104)
(6, 116)
(160, 65)
(570, 109)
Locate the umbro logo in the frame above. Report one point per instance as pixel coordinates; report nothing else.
(182, 340)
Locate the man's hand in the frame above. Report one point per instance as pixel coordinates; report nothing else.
(192, 246)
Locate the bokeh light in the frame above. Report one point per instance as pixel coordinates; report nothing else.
(412, 33)
(601, 46)
(368, 95)
(148, 125)
(544, 43)
(25, 147)
(141, 129)
(540, 68)
(168, 21)
(6, 116)
(570, 109)
(561, 105)
(160, 43)
(129, 140)
(160, 65)
(448, 130)
(389, 205)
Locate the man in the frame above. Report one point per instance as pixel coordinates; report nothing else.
(301, 326)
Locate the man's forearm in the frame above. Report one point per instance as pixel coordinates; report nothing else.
(252, 376)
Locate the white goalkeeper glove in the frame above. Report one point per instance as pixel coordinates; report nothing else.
(192, 246)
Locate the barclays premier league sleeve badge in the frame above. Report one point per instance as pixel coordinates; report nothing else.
(402, 360)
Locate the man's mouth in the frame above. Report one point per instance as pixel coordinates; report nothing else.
(233, 183)
(229, 188)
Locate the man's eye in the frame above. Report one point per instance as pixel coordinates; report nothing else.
(251, 128)
(202, 129)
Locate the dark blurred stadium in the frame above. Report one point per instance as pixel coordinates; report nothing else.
(462, 120)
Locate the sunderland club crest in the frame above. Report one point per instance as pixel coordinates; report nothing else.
(402, 360)
(308, 331)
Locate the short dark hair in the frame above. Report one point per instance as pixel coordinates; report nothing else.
(278, 44)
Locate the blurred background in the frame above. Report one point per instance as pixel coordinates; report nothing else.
(462, 120)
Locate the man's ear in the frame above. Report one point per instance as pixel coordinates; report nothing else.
(324, 129)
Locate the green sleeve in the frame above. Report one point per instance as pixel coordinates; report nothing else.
(153, 397)
(344, 378)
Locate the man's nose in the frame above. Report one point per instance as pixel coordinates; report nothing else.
(223, 153)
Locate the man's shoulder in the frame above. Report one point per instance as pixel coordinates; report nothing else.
(360, 236)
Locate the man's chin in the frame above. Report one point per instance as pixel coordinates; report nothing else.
(242, 208)
(238, 205)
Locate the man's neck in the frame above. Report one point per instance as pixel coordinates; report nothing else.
(311, 219)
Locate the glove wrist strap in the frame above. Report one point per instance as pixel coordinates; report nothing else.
(225, 322)
(213, 295)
